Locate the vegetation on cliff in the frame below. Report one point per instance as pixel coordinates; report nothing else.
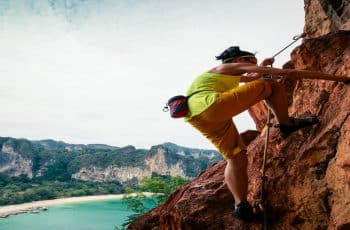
(15, 190)
(162, 186)
(53, 160)
(39, 170)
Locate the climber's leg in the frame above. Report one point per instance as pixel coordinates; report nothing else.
(223, 135)
(236, 176)
(236, 179)
(237, 100)
(278, 102)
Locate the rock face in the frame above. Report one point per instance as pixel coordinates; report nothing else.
(153, 164)
(326, 16)
(97, 162)
(14, 164)
(308, 172)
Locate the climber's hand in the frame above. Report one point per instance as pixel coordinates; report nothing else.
(267, 62)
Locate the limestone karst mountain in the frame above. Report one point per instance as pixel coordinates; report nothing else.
(309, 171)
(98, 162)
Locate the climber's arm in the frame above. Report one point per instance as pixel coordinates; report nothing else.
(241, 68)
(248, 78)
(251, 71)
(255, 76)
(299, 74)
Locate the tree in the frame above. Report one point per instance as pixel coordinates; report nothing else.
(161, 187)
(135, 202)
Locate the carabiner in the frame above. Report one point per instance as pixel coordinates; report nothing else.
(297, 37)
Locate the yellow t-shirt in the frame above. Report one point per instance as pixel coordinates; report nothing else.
(205, 89)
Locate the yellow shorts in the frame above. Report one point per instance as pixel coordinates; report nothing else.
(216, 123)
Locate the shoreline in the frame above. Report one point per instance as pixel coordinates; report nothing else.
(41, 205)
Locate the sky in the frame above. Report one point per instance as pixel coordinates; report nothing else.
(100, 71)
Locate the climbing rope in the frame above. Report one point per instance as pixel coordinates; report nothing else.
(263, 177)
(261, 202)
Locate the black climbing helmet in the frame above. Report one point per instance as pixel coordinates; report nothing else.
(232, 53)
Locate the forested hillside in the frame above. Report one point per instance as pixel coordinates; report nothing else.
(46, 169)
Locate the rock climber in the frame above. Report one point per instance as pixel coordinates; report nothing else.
(216, 97)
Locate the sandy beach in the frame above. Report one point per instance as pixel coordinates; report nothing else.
(35, 206)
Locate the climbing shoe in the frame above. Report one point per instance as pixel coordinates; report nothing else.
(244, 211)
(297, 123)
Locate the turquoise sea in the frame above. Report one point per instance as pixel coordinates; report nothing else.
(98, 215)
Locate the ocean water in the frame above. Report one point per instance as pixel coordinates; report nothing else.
(98, 215)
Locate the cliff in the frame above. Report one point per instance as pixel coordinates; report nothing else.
(309, 171)
(152, 164)
(48, 158)
(13, 162)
